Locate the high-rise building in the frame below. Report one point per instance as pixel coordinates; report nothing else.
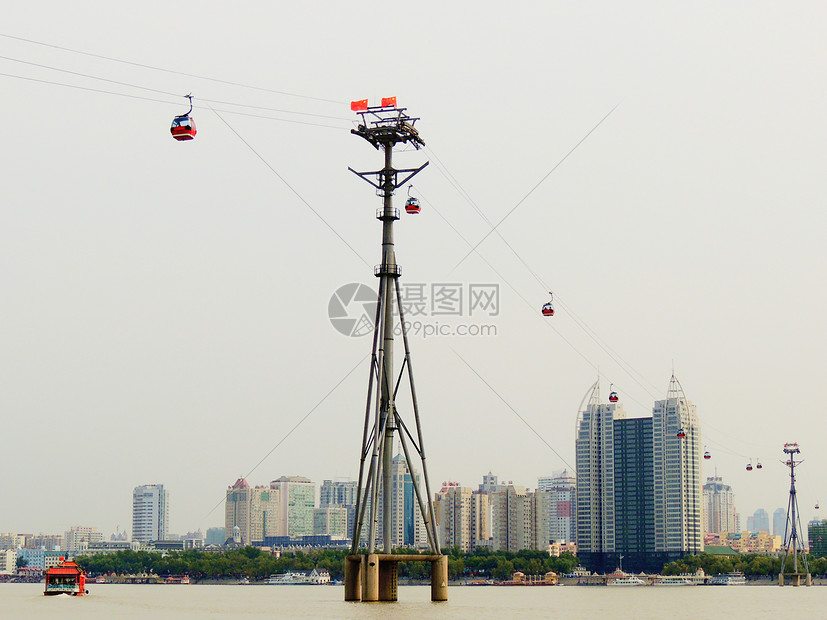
(462, 516)
(340, 493)
(633, 487)
(594, 462)
(150, 513)
(519, 519)
(615, 480)
(297, 501)
(779, 522)
(638, 483)
(761, 521)
(562, 520)
(677, 466)
(330, 521)
(719, 507)
(253, 510)
(408, 529)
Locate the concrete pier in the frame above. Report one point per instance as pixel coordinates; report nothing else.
(375, 577)
(439, 579)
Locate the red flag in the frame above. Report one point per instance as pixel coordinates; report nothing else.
(358, 106)
(388, 102)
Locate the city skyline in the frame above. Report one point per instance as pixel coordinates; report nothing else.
(166, 304)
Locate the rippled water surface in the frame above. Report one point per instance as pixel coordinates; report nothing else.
(204, 602)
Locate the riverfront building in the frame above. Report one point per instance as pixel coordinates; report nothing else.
(150, 513)
(677, 466)
(638, 484)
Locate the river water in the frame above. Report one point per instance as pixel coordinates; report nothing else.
(206, 602)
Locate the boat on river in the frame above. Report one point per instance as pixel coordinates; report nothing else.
(66, 578)
(290, 578)
(631, 580)
(674, 581)
(735, 578)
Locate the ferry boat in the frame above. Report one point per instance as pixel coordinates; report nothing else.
(730, 579)
(631, 580)
(674, 581)
(314, 577)
(66, 578)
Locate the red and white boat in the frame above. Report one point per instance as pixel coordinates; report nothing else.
(66, 578)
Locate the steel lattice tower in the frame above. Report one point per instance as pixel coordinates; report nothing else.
(384, 128)
(792, 542)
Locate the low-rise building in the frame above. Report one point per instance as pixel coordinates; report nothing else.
(8, 561)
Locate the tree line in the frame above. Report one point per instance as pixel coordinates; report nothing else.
(255, 564)
(751, 564)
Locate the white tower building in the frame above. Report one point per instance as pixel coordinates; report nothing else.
(677, 466)
(150, 513)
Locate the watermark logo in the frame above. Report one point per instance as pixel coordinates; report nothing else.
(352, 309)
(429, 309)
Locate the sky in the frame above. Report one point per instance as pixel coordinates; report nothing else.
(164, 305)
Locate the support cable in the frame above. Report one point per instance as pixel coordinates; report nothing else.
(154, 68)
(291, 188)
(295, 427)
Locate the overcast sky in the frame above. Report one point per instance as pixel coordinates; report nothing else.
(165, 305)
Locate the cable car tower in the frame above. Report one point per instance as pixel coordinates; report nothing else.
(373, 577)
(792, 543)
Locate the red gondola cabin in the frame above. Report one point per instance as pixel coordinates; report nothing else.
(183, 128)
(681, 434)
(412, 206)
(613, 397)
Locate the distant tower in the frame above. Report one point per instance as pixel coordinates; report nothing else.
(719, 506)
(779, 520)
(793, 545)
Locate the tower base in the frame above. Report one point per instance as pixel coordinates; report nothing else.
(375, 577)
